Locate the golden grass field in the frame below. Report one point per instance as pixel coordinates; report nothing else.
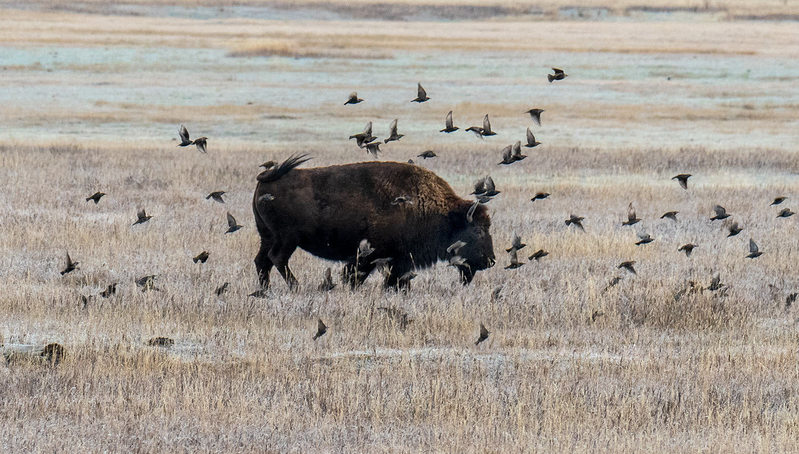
(92, 102)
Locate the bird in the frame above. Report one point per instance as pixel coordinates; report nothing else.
(232, 225)
(536, 115)
(364, 248)
(734, 229)
(455, 247)
(321, 329)
(628, 266)
(687, 248)
(141, 217)
(405, 280)
(382, 263)
(790, 299)
(448, 125)
(516, 244)
(427, 154)
(785, 212)
(559, 75)
(478, 131)
(485, 187)
(392, 134)
(540, 196)
(631, 218)
(327, 282)
(457, 260)
(517, 151)
(754, 251)
(613, 281)
(202, 144)
(670, 215)
(95, 197)
(531, 142)
(201, 257)
(222, 289)
(483, 334)
(644, 238)
(715, 283)
(721, 213)
(71, 266)
(496, 293)
(421, 95)
(373, 148)
(539, 254)
(146, 282)
(576, 220)
(216, 195)
(507, 156)
(364, 137)
(110, 290)
(779, 200)
(353, 99)
(268, 165)
(266, 197)
(487, 127)
(682, 179)
(184, 137)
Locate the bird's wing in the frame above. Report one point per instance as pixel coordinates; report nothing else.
(393, 128)
(231, 221)
(420, 91)
(184, 134)
(720, 211)
(448, 120)
(483, 331)
(752, 245)
(201, 145)
(507, 152)
(489, 184)
(517, 148)
(367, 131)
(141, 214)
(320, 326)
(530, 137)
(486, 124)
(557, 70)
(353, 96)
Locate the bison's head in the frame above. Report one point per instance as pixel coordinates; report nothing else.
(478, 253)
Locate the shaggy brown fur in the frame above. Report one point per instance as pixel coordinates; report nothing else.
(328, 211)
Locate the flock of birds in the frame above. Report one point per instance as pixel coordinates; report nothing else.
(484, 190)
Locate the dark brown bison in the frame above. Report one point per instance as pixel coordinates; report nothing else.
(408, 215)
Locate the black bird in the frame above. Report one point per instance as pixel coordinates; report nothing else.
(448, 125)
(487, 127)
(483, 334)
(373, 148)
(559, 75)
(576, 220)
(232, 225)
(392, 133)
(201, 257)
(485, 187)
(517, 151)
(321, 329)
(507, 156)
(428, 154)
(790, 300)
(516, 243)
(687, 248)
(786, 212)
(628, 266)
(670, 215)
(268, 165)
(539, 254)
(201, 142)
(721, 213)
(779, 200)
(754, 251)
(478, 131)
(222, 289)
(146, 282)
(141, 217)
(71, 266)
(364, 137)
(734, 229)
(217, 196)
(682, 179)
(421, 95)
(531, 142)
(95, 197)
(540, 196)
(631, 218)
(644, 238)
(110, 290)
(353, 99)
(514, 260)
(327, 282)
(536, 115)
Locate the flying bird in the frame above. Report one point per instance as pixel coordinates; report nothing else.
(478, 131)
(327, 282)
(321, 329)
(427, 154)
(682, 179)
(95, 197)
(559, 75)
(507, 156)
(631, 218)
(576, 220)
(514, 260)
(644, 238)
(539, 254)
(222, 289)
(457, 260)
(540, 196)
(754, 251)
(373, 148)
(364, 137)
(734, 229)
(232, 225)
(353, 99)
(487, 127)
(110, 290)
(670, 215)
(721, 213)
(202, 144)
(536, 115)
(485, 187)
(392, 134)
(141, 217)
(517, 151)
(628, 266)
(483, 334)
(531, 142)
(785, 212)
(421, 95)
(687, 248)
(779, 200)
(71, 266)
(201, 257)
(516, 244)
(217, 196)
(448, 125)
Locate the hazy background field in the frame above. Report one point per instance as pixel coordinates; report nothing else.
(92, 95)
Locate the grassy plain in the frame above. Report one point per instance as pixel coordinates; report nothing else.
(92, 102)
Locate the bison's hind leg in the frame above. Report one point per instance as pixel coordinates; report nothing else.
(263, 265)
(279, 254)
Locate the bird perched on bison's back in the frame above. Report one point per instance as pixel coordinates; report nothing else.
(95, 197)
(535, 114)
(353, 98)
(448, 125)
(217, 196)
(268, 165)
(421, 94)
(232, 224)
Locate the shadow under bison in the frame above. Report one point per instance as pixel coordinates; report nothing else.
(407, 213)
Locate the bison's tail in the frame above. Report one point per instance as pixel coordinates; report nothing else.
(283, 168)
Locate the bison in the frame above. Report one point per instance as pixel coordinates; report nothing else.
(408, 214)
